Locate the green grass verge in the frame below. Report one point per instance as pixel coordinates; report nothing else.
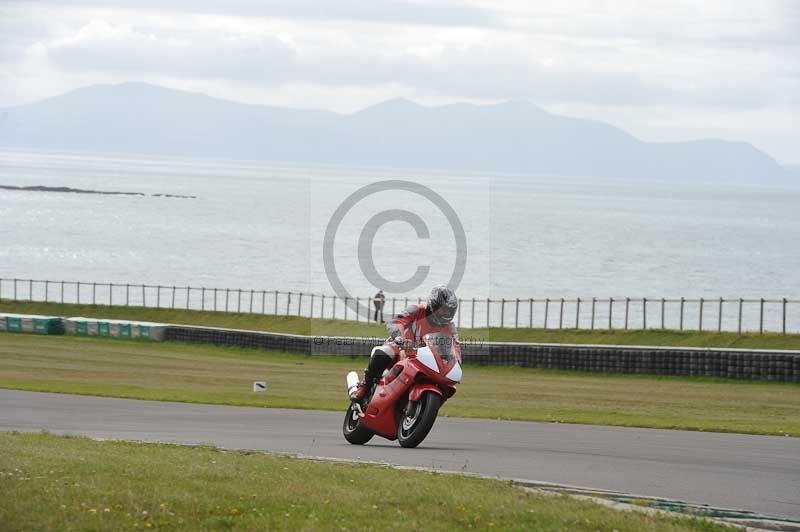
(318, 327)
(209, 374)
(68, 483)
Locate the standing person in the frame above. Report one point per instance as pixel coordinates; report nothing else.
(379, 300)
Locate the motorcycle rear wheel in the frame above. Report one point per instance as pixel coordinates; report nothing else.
(414, 426)
(354, 431)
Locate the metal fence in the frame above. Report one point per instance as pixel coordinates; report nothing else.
(707, 314)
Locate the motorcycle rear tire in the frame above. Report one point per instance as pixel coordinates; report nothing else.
(354, 431)
(410, 437)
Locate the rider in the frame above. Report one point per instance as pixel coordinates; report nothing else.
(407, 329)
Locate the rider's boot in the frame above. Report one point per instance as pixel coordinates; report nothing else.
(378, 363)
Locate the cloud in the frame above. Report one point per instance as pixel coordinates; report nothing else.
(104, 46)
(723, 56)
(419, 12)
(465, 63)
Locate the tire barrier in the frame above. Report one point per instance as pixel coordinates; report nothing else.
(25, 323)
(31, 324)
(775, 365)
(783, 366)
(115, 328)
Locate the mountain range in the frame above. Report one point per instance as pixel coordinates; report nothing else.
(514, 137)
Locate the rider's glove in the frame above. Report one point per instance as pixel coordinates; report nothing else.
(404, 343)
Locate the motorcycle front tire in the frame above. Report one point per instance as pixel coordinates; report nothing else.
(412, 430)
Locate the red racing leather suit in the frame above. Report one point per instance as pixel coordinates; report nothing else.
(412, 324)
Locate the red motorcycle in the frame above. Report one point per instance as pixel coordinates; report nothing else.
(404, 403)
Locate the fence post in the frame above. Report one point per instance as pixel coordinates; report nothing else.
(741, 302)
(394, 300)
(300, 305)
(227, 298)
(110, 294)
(311, 313)
(333, 309)
(546, 310)
(127, 294)
(15, 291)
(561, 314)
(276, 302)
(577, 313)
(251, 301)
(322, 307)
(472, 317)
(663, 304)
(784, 315)
(94, 293)
(610, 313)
(263, 302)
(761, 318)
(288, 302)
(682, 302)
(188, 296)
(215, 299)
(701, 314)
(62, 291)
(144, 297)
(594, 304)
(516, 314)
(78, 290)
(239, 300)
(719, 316)
(627, 308)
(530, 313)
(172, 303)
(345, 307)
(644, 313)
(30, 289)
(487, 312)
(502, 311)
(202, 298)
(158, 296)
(46, 290)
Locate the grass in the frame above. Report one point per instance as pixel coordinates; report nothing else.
(327, 327)
(217, 375)
(69, 483)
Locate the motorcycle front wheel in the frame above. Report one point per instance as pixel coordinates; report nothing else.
(418, 418)
(354, 431)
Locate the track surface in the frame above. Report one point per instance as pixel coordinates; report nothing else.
(757, 473)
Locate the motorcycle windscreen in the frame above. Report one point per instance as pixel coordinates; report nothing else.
(442, 344)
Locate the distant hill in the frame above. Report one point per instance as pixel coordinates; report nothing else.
(506, 137)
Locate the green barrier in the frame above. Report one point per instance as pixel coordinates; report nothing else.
(125, 330)
(48, 326)
(81, 327)
(13, 324)
(103, 328)
(144, 331)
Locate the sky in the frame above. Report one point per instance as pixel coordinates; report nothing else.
(663, 70)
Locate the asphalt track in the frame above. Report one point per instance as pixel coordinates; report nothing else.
(756, 473)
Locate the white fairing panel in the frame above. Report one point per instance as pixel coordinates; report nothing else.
(425, 355)
(455, 373)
